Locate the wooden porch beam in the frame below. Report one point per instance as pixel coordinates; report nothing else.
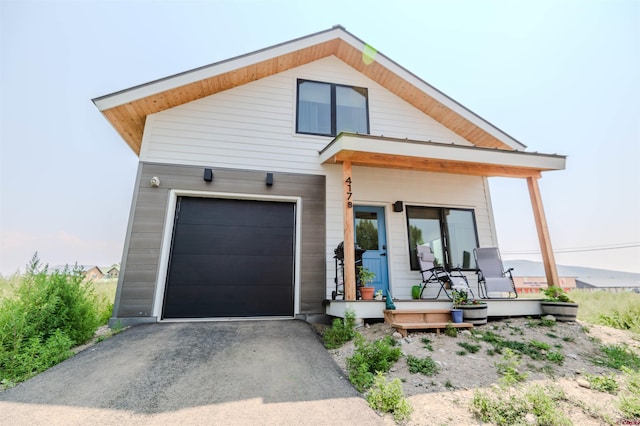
(431, 165)
(550, 268)
(349, 244)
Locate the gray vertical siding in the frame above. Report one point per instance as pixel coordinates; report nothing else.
(139, 275)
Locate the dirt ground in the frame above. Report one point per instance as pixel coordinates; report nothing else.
(443, 399)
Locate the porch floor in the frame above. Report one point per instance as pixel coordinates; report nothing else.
(374, 309)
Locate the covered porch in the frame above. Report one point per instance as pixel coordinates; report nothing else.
(350, 150)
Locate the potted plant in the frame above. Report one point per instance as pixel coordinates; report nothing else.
(378, 295)
(557, 303)
(366, 276)
(473, 310)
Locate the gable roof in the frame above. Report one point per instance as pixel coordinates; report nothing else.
(126, 110)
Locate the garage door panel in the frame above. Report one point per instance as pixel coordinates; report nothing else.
(260, 214)
(235, 240)
(212, 269)
(201, 301)
(231, 258)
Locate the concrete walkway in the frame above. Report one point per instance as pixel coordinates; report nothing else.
(202, 373)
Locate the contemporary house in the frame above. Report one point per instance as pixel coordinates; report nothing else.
(254, 169)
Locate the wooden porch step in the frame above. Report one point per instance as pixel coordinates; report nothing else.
(404, 320)
(416, 315)
(403, 328)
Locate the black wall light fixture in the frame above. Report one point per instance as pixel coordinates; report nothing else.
(398, 207)
(208, 175)
(269, 180)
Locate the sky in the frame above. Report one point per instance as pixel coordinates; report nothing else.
(559, 76)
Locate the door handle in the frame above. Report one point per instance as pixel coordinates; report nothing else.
(383, 254)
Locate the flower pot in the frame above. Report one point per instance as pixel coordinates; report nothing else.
(474, 314)
(367, 293)
(456, 315)
(415, 292)
(562, 311)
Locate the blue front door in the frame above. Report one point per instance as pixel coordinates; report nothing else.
(371, 236)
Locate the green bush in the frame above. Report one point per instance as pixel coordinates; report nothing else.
(618, 356)
(370, 358)
(607, 384)
(341, 331)
(388, 397)
(426, 365)
(47, 315)
(512, 409)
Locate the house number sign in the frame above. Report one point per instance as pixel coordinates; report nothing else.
(348, 193)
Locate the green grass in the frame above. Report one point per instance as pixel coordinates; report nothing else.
(618, 310)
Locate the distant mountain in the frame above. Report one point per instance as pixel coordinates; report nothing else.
(593, 276)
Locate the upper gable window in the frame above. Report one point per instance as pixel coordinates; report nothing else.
(328, 109)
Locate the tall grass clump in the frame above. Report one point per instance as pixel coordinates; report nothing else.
(47, 315)
(617, 310)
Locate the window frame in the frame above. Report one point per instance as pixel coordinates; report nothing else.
(333, 106)
(444, 233)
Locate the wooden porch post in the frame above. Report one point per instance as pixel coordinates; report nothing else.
(550, 268)
(349, 249)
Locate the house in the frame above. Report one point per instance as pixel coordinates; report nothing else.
(91, 272)
(252, 170)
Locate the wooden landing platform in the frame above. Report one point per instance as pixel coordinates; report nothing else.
(404, 320)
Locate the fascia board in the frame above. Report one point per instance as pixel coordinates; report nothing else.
(449, 152)
(148, 89)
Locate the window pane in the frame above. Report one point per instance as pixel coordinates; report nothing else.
(424, 228)
(314, 108)
(462, 238)
(367, 230)
(351, 110)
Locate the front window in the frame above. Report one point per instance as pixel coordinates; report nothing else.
(451, 234)
(328, 109)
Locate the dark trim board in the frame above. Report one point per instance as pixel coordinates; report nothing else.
(141, 271)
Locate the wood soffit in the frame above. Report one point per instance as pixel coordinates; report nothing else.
(370, 159)
(129, 118)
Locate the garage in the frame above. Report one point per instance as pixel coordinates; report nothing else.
(231, 258)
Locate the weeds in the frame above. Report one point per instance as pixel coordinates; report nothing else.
(606, 384)
(388, 397)
(427, 344)
(469, 347)
(618, 356)
(425, 366)
(629, 402)
(369, 358)
(47, 315)
(451, 331)
(341, 331)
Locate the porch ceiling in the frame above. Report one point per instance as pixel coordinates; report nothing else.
(379, 151)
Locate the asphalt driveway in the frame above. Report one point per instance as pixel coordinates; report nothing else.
(200, 373)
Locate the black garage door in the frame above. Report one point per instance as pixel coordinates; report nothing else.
(231, 258)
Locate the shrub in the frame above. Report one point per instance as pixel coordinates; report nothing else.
(629, 402)
(618, 356)
(369, 358)
(388, 397)
(426, 365)
(607, 384)
(341, 331)
(511, 409)
(49, 313)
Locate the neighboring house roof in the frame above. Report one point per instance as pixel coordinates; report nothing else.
(592, 276)
(127, 110)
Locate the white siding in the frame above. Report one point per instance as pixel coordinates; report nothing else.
(382, 187)
(253, 126)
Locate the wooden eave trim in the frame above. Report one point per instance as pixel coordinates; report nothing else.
(128, 118)
(373, 151)
(369, 159)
